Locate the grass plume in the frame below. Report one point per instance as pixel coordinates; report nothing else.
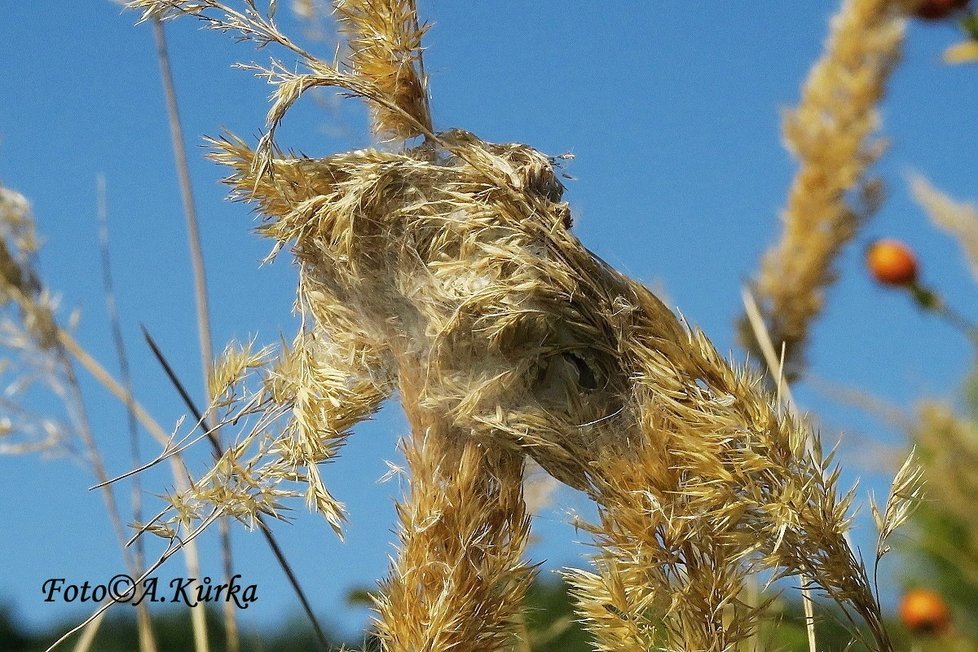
(459, 581)
(449, 270)
(499, 321)
(384, 39)
(832, 134)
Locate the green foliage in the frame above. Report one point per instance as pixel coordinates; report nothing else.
(550, 620)
(11, 635)
(942, 564)
(173, 631)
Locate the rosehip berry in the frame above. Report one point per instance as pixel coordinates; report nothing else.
(924, 612)
(891, 262)
(938, 9)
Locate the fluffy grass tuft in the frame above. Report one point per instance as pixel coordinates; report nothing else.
(449, 271)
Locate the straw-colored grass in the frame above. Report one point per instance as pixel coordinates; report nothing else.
(832, 134)
(448, 270)
(459, 581)
(959, 219)
(384, 38)
(502, 325)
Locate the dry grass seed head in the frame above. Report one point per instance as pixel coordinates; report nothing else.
(27, 336)
(385, 47)
(831, 133)
(454, 263)
(459, 580)
(526, 341)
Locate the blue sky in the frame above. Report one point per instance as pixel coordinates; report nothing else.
(672, 111)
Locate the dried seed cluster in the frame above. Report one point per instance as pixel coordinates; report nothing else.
(832, 134)
(447, 272)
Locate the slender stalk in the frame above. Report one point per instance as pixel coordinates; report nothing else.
(107, 380)
(459, 580)
(147, 641)
(931, 301)
(266, 530)
(182, 391)
(120, 347)
(200, 288)
(182, 543)
(68, 351)
(763, 339)
(87, 637)
(80, 355)
(806, 597)
(80, 416)
(80, 412)
(189, 205)
(190, 552)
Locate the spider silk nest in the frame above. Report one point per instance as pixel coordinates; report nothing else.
(451, 266)
(448, 272)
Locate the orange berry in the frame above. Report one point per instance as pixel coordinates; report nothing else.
(924, 612)
(891, 262)
(938, 9)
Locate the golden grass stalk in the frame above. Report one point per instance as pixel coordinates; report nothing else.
(20, 286)
(450, 267)
(949, 447)
(831, 133)
(906, 491)
(385, 47)
(459, 581)
(717, 484)
(87, 637)
(958, 219)
(39, 342)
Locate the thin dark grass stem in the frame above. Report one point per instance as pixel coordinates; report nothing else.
(218, 451)
(181, 390)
